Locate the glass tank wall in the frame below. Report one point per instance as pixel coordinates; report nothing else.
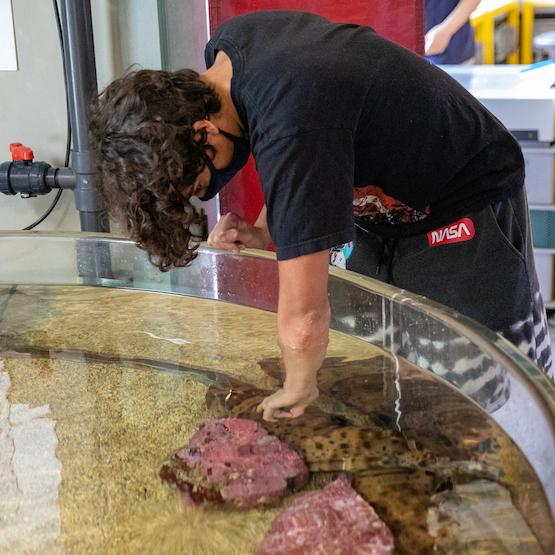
(107, 366)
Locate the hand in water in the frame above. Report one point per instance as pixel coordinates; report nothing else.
(234, 234)
(288, 402)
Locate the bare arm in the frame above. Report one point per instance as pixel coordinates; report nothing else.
(460, 15)
(303, 330)
(438, 37)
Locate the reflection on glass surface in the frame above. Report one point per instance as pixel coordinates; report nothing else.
(130, 362)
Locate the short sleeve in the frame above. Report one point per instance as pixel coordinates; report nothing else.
(307, 181)
(209, 54)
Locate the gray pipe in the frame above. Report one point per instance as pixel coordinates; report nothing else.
(61, 178)
(81, 81)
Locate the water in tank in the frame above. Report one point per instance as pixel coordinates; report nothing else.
(107, 366)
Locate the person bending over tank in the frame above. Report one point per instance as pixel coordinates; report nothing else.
(357, 142)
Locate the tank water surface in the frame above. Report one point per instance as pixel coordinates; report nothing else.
(105, 372)
(93, 406)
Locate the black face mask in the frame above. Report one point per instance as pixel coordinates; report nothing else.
(220, 178)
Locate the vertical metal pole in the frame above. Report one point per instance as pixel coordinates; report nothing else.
(93, 259)
(81, 79)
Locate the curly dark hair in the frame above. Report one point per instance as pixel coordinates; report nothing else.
(141, 131)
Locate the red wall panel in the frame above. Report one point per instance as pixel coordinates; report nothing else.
(399, 20)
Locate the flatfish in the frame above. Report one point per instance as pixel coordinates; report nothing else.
(407, 441)
(327, 442)
(392, 473)
(395, 395)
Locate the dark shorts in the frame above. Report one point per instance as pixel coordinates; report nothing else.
(482, 265)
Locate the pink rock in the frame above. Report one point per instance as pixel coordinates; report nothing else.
(332, 521)
(234, 460)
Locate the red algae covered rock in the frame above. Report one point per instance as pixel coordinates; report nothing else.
(332, 521)
(234, 460)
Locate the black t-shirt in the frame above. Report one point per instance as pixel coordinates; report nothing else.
(345, 125)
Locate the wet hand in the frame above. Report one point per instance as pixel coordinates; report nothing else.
(288, 402)
(437, 40)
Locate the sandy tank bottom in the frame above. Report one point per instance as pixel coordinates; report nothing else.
(99, 386)
(84, 428)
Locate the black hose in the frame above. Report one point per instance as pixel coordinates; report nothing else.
(68, 141)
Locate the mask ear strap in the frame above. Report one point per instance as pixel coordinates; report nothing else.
(227, 135)
(231, 137)
(210, 164)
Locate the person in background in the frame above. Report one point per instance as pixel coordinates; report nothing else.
(449, 35)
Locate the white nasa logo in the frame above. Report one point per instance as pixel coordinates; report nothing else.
(461, 230)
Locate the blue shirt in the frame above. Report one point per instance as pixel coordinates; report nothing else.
(461, 47)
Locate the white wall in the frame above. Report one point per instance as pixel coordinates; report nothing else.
(32, 99)
(32, 111)
(127, 33)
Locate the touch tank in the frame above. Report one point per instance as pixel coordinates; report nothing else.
(108, 365)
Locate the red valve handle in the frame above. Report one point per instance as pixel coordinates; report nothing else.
(21, 152)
